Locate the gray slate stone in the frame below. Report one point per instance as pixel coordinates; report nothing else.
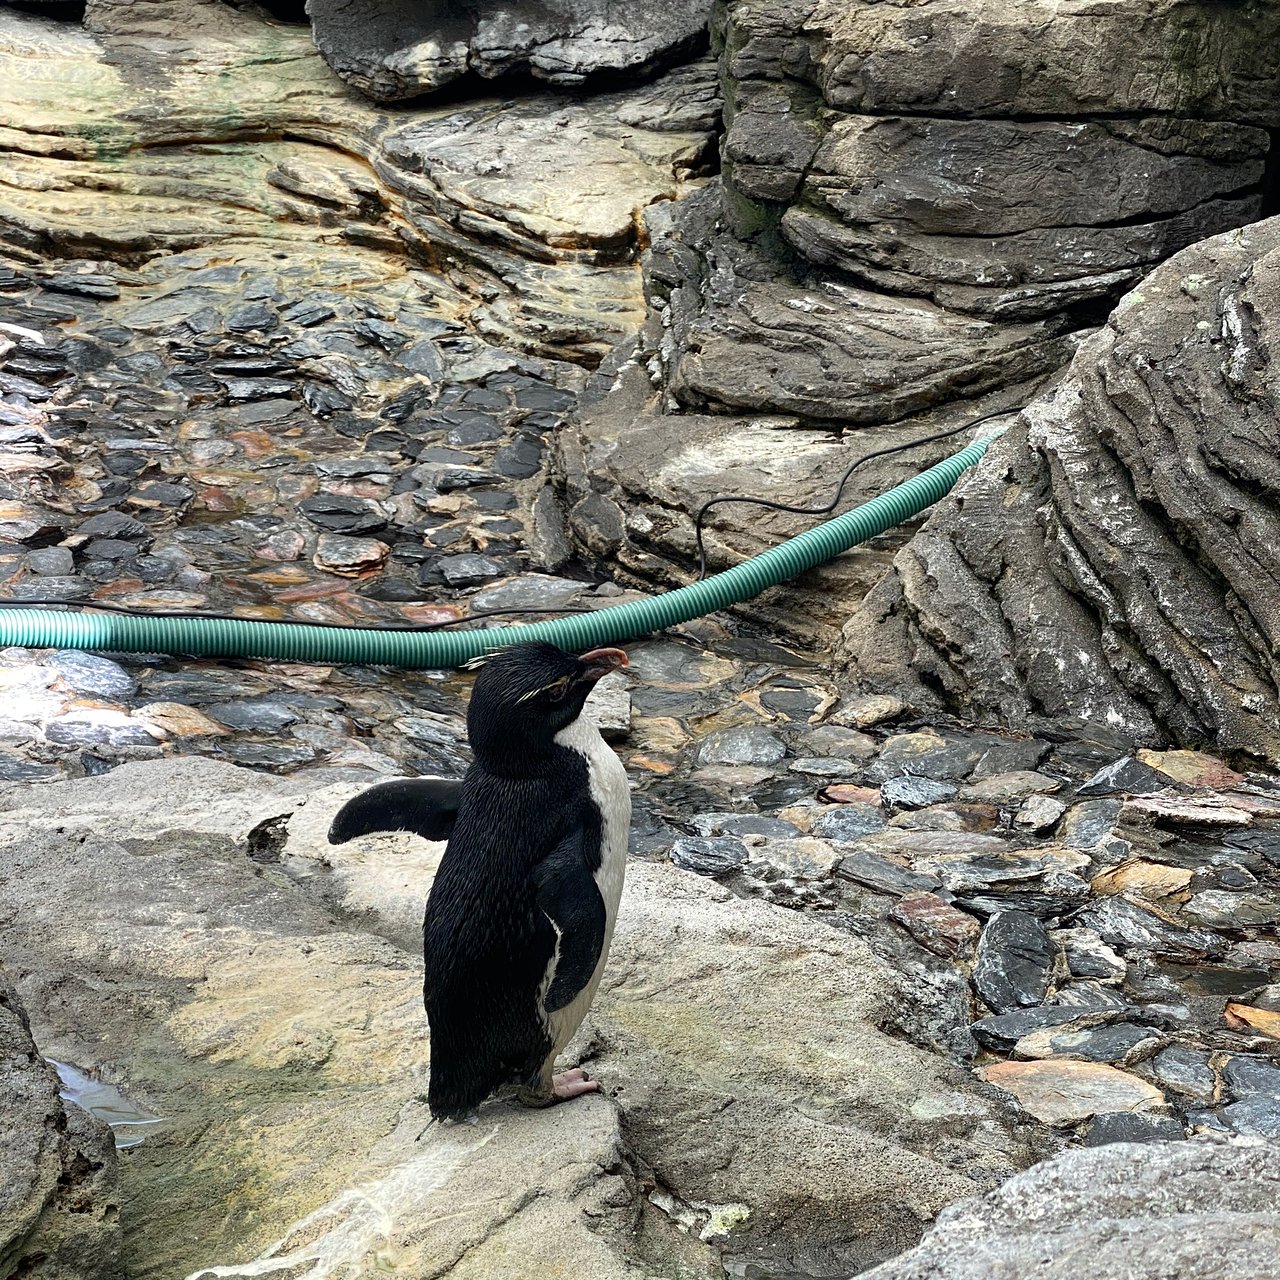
(1014, 961)
(709, 855)
(748, 744)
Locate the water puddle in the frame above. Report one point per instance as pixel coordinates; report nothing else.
(104, 1101)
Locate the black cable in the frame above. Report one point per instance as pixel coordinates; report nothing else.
(839, 493)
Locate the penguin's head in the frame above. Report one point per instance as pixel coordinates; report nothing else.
(525, 695)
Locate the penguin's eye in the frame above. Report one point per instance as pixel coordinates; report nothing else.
(556, 690)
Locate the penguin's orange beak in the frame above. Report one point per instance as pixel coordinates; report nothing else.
(600, 662)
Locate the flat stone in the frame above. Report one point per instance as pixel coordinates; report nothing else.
(846, 823)
(1087, 825)
(1258, 1115)
(925, 755)
(1087, 956)
(51, 561)
(867, 711)
(1125, 776)
(709, 855)
(252, 315)
(1184, 1071)
(113, 524)
(269, 755)
(1017, 785)
(746, 744)
(89, 673)
(1040, 813)
(1220, 909)
(96, 728)
(1129, 926)
(609, 705)
(1189, 811)
(1132, 1126)
(1014, 962)
(965, 872)
(256, 717)
(1115, 1042)
(1191, 768)
(743, 824)
(824, 767)
(842, 793)
(343, 515)
(468, 568)
(349, 557)
(882, 875)
(1150, 880)
(1245, 1077)
(1064, 1093)
(937, 925)
(910, 792)
(1005, 1030)
(177, 720)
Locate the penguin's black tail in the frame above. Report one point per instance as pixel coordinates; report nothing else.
(426, 806)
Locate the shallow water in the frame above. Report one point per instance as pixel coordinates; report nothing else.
(104, 1101)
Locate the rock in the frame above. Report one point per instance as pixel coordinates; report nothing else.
(1185, 1071)
(89, 673)
(255, 716)
(1150, 880)
(867, 711)
(179, 721)
(1005, 1030)
(1130, 927)
(910, 792)
(743, 824)
(343, 515)
(936, 925)
(1132, 1126)
(609, 705)
(1014, 960)
(1087, 825)
(926, 754)
(1219, 909)
(1087, 956)
(709, 855)
(1190, 811)
(846, 823)
(1063, 1092)
(1117, 1042)
(1039, 814)
(349, 557)
(1059, 651)
(824, 767)
(1197, 1210)
(1244, 1017)
(882, 875)
(254, 996)
(59, 1201)
(1256, 1115)
(391, 51)
(748, 744)
(1013, 786)
(1191, 768)
(1246, 1077)
(1126, 776)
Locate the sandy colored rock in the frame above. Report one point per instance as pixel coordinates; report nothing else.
(1150, 880)
(1192, 768)
(1246, 1017)
(1064, 1092)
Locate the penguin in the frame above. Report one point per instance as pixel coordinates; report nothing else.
(521, 913)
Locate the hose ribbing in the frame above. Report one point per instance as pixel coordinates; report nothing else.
(249, 638)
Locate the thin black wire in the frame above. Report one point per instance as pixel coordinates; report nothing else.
(698, 531)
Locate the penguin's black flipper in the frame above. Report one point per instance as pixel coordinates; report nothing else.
(426, 806)
(566, 892)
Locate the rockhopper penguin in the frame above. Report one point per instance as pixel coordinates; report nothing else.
(520, 916)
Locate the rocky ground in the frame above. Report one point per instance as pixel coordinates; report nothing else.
(872, 961)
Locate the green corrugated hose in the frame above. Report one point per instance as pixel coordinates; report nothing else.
(248, 638)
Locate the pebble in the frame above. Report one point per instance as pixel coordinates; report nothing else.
(349, 557)
(748, 744)
(709, 855)
(1014, 961)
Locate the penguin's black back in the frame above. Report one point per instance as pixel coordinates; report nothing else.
(487, 943)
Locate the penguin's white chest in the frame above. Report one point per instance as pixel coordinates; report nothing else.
(611, 795)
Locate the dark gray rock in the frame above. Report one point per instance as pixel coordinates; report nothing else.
(51, 562)
(1184, 1071)
(1131, 1126)
(343, 515)
(1113, 1043)
(467, 569)
(1014, 961)
(392, 49)
(709, 855)
(846, 823)
(1088, 824)
(1130, 927)
(1247, 1077)
(1125, 776)
(1056, 623)
(1258, 1115)
(910, 792)
(744, 824)
(89, 673)
(256, 717)
(882, 875)
(748, 744)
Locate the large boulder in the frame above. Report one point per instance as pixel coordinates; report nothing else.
(923, 210)
(265, 1000)
(59, 1204)
(1196, 1210)
(1116, 558)
(393, 49)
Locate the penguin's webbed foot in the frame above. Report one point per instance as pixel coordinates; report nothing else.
(566, 1085)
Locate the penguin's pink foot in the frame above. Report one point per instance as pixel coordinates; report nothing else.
(572, 1084)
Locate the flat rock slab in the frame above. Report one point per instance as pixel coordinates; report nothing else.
(1065, 1092)
(1195, 1210)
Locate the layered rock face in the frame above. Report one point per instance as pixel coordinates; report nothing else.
(59, 1205)
(923, 210)
(1115, 558)
(392, 49)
